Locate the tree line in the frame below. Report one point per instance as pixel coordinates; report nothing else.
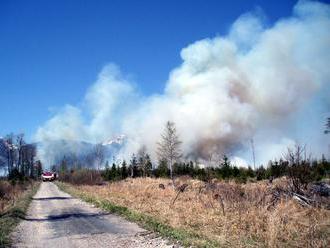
(300, 172)
(18, 158)
(295, 165)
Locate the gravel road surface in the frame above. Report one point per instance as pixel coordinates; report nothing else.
(56, 219)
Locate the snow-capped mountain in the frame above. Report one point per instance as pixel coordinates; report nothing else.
(119, 140)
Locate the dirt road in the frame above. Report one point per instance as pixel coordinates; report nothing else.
(56, 219)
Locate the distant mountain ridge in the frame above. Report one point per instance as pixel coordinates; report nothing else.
(53, 151)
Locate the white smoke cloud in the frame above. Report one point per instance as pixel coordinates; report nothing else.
(227, 90)
(66, 124)
(108, 100)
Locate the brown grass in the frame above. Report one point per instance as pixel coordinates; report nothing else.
(14, 201)
(229, 213)
(10, 193)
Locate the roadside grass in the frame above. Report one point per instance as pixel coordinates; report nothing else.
(10, 218)
(214, 214)
(184, 237)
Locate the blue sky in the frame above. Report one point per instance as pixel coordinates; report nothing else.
(52, 51)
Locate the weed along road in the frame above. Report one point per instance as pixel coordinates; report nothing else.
(56, 219)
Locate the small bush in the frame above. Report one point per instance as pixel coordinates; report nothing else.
(15, 176)
(300, 176)
(4, 189)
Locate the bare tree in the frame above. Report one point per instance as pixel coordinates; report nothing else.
(2, 163)
(20, 143)
(133, 166)
(10, 151)
(299, 168)
(327, 130)
(253, 154)
(28, 159)
(99, 155)
(169, 146)
(3, 154)
(327, 126)
(88, 159)
(17, 155)
(295, 155)
(144, 162)
(142, 152)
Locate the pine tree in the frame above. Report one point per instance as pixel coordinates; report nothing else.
(124, 173)
(107, 165)
(162, 169)
(226, 168)
(148, 166)
(113, 171)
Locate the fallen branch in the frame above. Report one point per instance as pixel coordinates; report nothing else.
(181, 189)
(303, 200)
(219, 198)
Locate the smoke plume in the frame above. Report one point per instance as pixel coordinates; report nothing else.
(257, 82)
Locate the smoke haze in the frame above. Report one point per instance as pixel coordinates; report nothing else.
(266, 83)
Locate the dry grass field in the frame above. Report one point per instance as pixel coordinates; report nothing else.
(10, 193)
(14, 201)
(239, 215)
